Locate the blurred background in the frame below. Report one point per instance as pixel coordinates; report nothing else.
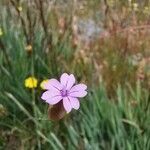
(105, 44)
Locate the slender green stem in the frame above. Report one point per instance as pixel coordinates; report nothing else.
(34, 103)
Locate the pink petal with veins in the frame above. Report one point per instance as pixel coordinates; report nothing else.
(64, 79)
(67, 104)
(71, 82)
(78, 87)
(74, 102)
(53, 84)
(78, 93)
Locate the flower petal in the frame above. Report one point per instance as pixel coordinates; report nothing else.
(54, 100)
(53, 84)
(78, 87)
(71, 82)
(74, 102)
(50, 94)
(64, 79)
(78, 94)
(67, 104)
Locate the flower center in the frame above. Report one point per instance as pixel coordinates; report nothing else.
(64, 93)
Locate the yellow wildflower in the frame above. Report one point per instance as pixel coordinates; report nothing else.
(31, 82)
(28, 47)
(20, 8)
(1, 32)
(135, 6)
(42, 83)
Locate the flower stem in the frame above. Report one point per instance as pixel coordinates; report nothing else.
(34, 104)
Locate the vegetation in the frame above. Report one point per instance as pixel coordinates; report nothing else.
(105, 44)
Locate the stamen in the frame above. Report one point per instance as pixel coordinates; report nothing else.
(64, 93)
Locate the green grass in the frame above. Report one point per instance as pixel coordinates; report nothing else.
(114, 116)
(101, 123)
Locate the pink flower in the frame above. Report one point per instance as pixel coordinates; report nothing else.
(64, 90)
